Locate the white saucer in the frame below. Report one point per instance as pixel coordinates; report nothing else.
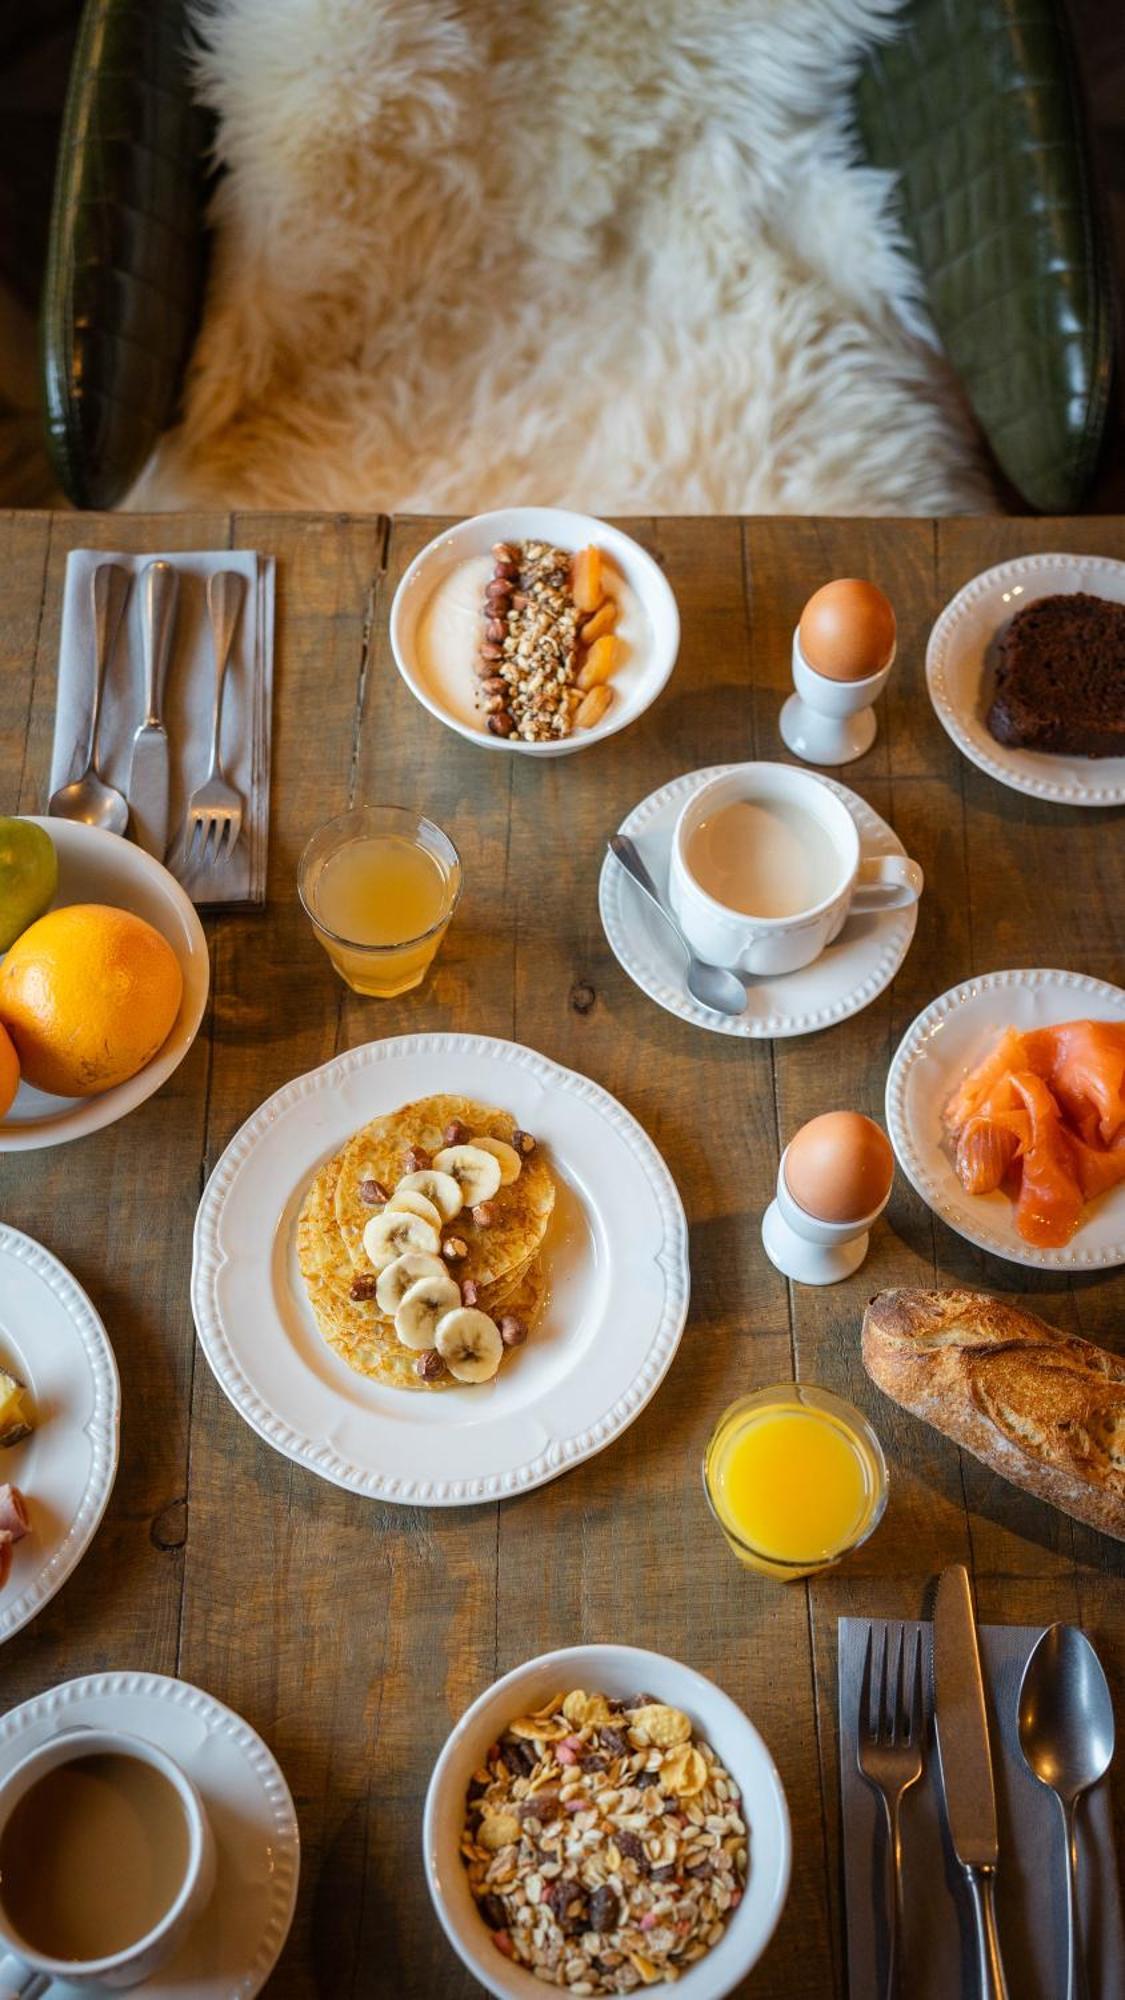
(959, 676)
(51, 1337)
(946, 1041)
(842, 981)
(237, 1942)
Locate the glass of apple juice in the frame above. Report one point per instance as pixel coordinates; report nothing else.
(796, 1479)
(380, 885)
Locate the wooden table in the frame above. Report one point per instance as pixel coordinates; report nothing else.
(352, 1634)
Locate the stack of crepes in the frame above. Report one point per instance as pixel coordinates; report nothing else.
(502, 1261)
(1043, 1116)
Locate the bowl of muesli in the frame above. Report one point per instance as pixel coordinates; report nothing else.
(534, 629)
(605, 1820)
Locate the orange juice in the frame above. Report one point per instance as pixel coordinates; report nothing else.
(380, 885)
(795, 1478)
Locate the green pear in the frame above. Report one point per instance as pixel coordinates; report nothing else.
(29, 876)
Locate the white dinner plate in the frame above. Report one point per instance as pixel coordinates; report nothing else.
(99, 867)
(637, 682)
(847, 977)
(52, 1339)
(616, 1256)
(231, 1951)
(946, 1041)
(959, 673)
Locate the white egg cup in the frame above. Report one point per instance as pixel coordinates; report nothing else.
(808, 1251)
(826, 721)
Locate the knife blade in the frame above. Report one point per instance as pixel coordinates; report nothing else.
(148, 785)
(965, 1757)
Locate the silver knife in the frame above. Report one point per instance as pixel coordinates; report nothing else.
(961, 1724)
(148, 772)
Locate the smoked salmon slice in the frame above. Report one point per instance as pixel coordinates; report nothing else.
(1050, 1203)
(1043, 1114)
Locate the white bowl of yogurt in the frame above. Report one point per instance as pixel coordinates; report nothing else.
(436, 621)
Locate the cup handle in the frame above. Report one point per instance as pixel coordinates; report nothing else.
(887, 882)
(21, 1982)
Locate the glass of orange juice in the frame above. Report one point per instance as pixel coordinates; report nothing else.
(796, 1479)
(380, 885)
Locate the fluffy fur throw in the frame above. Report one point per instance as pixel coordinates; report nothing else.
(616, 254)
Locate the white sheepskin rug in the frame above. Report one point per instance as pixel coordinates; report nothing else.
(613, 254)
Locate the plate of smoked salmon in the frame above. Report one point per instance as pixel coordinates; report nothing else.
(1006, 1108)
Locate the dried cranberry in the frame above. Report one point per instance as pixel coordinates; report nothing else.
(604, 1910)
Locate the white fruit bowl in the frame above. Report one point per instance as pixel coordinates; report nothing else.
(99, 867)
(635, 686)
(618, 1671)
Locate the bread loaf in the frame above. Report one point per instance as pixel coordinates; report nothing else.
(1042, 1408)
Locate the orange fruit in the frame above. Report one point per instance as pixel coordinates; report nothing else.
(9, 1072)
(88, 994)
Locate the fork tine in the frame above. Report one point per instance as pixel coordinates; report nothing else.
(917, 1710)
(193, 842)
(902, 1684)
(864, 1729)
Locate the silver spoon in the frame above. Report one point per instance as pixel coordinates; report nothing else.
(711, 985)
(1066, 1735)
(88, 797)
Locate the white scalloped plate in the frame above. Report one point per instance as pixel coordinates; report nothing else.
(231, 1951)
(617, 1267)
(959, 677)
(938, 1049)
(842, 981)
(51, 1337)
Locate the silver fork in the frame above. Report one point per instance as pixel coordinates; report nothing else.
(889, 1752)
(214, 814)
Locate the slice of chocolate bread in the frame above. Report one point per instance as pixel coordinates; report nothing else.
(1060, 678)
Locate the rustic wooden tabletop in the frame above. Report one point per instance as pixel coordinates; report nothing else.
(352, 1634)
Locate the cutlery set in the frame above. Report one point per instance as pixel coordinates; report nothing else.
(215, 809)
(1065, 1732)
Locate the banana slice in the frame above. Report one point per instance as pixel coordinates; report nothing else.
(440, 1188)
(422, 1306)
(408, 1201)
(468, 1341)
(476, 1172)
(510, 1162)
(389, 1236)
(396, 1279)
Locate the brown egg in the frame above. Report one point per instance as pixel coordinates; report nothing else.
(847, 630)
(839, 1166)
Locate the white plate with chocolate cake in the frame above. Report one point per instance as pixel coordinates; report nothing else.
(1026, 671)
(535, 629)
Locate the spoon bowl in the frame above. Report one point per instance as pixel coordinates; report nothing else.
(712, 985)
(92, 801)
(1066, 1732)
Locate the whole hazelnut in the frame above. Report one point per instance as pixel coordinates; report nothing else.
(513, 1332)
(484, 1212)
(454, 1248)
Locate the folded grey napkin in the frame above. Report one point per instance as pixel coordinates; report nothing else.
(188, 694)
(938, 1948)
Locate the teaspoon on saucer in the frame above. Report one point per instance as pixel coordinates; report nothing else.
(713, 986)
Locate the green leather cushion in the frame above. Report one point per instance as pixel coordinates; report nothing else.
(126, 262)
(975, 106)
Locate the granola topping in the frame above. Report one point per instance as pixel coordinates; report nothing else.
(604, 1859)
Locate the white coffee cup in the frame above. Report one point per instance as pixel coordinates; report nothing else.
(779, 944)
(25, 1971)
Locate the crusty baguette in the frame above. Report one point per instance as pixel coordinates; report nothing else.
(1042, 1408)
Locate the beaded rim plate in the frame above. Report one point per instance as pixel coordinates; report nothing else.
(232, 1949)
(952, 1034)
(956, 674)
(617, 1268)
(52, 1338)
(842, 981)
